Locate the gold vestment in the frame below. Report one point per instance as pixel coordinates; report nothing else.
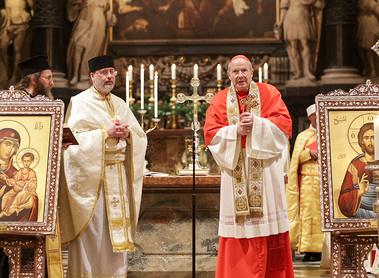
(303, 196)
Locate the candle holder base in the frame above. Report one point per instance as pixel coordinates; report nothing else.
(142, 112)
(156, 125)
(199, 171)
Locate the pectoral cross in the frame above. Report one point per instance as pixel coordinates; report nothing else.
(249, 102)
(195, 82)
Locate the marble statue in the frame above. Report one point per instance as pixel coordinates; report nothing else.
(15, 21)
(368, 35)
(300, 34)
(92, 19)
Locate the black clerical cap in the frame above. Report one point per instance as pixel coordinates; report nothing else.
(100, 62)
(33, 65)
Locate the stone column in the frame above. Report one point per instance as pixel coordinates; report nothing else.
(47, 36)
(339, 25)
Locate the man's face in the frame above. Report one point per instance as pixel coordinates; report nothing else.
(44, 84)
(240, 73)
(104, 80)
(368, 142)
(313, 120)
(7, 149)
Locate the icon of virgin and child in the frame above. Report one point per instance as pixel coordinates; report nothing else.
(18, 196)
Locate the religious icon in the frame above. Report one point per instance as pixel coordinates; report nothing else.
(357, 190)
(31, 132)
(346, 146)
(19, 163)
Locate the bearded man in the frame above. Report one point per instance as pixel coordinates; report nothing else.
(101, 195)
(358, 189)
(37, 77)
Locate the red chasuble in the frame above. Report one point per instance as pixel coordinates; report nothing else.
(272, 108)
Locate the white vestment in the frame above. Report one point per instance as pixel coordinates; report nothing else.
(267, 142)
(100, 197)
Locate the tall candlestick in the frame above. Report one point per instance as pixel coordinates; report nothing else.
(130, 70)
(260, 75)
(376, 137)
(127, 88)
(151, 72)
(142, 87)
(195, 71)
(156, 95)
(173, 72)
(265, 71)
(218, 72)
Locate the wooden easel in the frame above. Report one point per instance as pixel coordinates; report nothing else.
(26, 256)
(348, 252)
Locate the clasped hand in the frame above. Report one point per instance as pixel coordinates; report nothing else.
(118, 130)
(246, 124)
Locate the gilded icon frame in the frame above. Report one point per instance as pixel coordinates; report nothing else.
(341, 115)
(34, 125)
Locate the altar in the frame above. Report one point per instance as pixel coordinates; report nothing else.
(163, 239)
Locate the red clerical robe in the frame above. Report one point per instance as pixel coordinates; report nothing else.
(252, 246)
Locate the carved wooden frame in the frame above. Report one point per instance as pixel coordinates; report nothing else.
(19, 104)
(364, 98)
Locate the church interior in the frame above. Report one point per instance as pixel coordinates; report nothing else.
(158, 47)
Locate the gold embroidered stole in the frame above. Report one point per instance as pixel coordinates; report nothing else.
(117, 202)
(112, 178)
(248, 195)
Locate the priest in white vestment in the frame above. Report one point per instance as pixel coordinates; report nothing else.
(100, 197)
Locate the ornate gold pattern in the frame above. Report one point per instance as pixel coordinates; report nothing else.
(248, 198)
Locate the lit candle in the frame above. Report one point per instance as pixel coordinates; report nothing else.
(127, 88)
(173, 72)
(156, 95)
(218, 72)
(265, 71)
(151, 72)
(142, 87)
(376, 137)
(260, 75)
(130, 70)
(195, 71)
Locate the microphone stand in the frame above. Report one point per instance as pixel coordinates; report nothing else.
(194, 208)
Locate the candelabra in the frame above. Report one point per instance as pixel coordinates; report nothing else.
(266, 80)
(172, 121)
(131, 99)
(219, 85)
(151, 98)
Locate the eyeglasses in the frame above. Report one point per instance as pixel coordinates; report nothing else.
(105, 73)
(48, 78)
(243, 72)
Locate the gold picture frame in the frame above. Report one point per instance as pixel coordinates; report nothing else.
(161, 27)
(30, 149)
(343, 117)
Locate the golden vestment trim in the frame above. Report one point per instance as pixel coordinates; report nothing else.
(248, 197)
(54, 253)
